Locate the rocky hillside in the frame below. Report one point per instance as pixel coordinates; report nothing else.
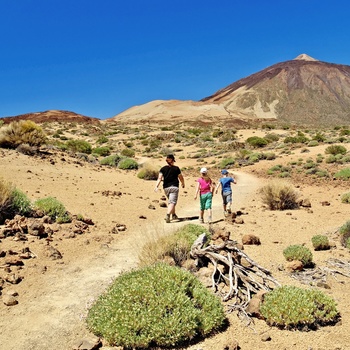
(52, 116)
(303, 91)
(300, 91)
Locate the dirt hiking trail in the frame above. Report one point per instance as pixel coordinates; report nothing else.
(53, 315)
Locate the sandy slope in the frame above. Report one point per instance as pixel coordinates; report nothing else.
(53, 294)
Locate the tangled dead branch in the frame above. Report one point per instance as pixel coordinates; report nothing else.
(235, 276)
(335, 268)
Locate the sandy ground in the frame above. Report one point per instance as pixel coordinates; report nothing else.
(54, 294)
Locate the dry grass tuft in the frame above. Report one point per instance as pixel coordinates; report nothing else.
(279, 195)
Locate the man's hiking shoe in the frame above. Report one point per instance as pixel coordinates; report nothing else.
(175, 217)
(209, 220)
(167, 219)
(229, 210)
(225, 214)
(201, 221)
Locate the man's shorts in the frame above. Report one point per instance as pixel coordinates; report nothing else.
(227, 197)
(172, 194)
(206, 201)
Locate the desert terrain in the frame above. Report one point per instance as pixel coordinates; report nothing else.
(54, 294)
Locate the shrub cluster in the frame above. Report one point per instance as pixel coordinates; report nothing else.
(155, 306)
(295, 308)
(278, 195)
(54, 208)
(148, 172)
(12, 201)
(21, 132)
(298, 252)
(176, 245)
(320, 242)
(345, 235)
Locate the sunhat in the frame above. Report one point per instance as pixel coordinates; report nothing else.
(204, 170)
(224, 172)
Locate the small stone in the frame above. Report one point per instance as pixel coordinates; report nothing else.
(265, 337)
(9, 300)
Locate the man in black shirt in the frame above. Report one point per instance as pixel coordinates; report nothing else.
(171, 176)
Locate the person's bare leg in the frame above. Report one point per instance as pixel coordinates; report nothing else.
(209, 215)
(171, 208)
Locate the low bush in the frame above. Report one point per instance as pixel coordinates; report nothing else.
(256, 141)
(128, 152)
(320, 242)
(279, 195)
(298, 252)
(227, 163)
(148, 172)
(176, 245)
(296, 308)
(12, 201)
(344, 232)
(102, 139)
(22, 132)
(343, 174)
(157, 306)
(345, 197)
(335, 149)
(52, 207)
(102, 151)
(127, 164)
(79, 146)
(111, 160)
(21, 204)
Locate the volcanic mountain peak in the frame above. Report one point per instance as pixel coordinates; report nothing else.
(305, 57)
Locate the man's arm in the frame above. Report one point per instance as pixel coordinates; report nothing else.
(182, 180)
(159, 180)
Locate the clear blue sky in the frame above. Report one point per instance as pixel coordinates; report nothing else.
(100, 57)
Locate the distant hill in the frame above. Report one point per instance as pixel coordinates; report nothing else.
(303, 91)
(53, 116)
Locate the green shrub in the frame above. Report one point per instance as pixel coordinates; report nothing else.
(319, 137)
(320, 242)
(20, 203)
(295, 308)
(343, 174)
(102, 151)
(335, 149)
(102, 139)
(128, 152)
(272, 137)
(127, 164)
(278, 195)
(6, 190)
(345, 197)
(20, 132)
(227, 162)
(157, 306)
(12, 201)
(176, 245)
(148, 172)
(79, 146)
(256, 141)
(344, 232)
(111, 160)
(298, 252)
(312, 143)
(52, 207)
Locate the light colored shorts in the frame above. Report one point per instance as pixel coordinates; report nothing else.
(172, 194)
(227, 197)
(206, 201)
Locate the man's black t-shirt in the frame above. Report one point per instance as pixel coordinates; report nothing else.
(170, 175)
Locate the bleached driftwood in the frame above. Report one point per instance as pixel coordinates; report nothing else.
(242, 280)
